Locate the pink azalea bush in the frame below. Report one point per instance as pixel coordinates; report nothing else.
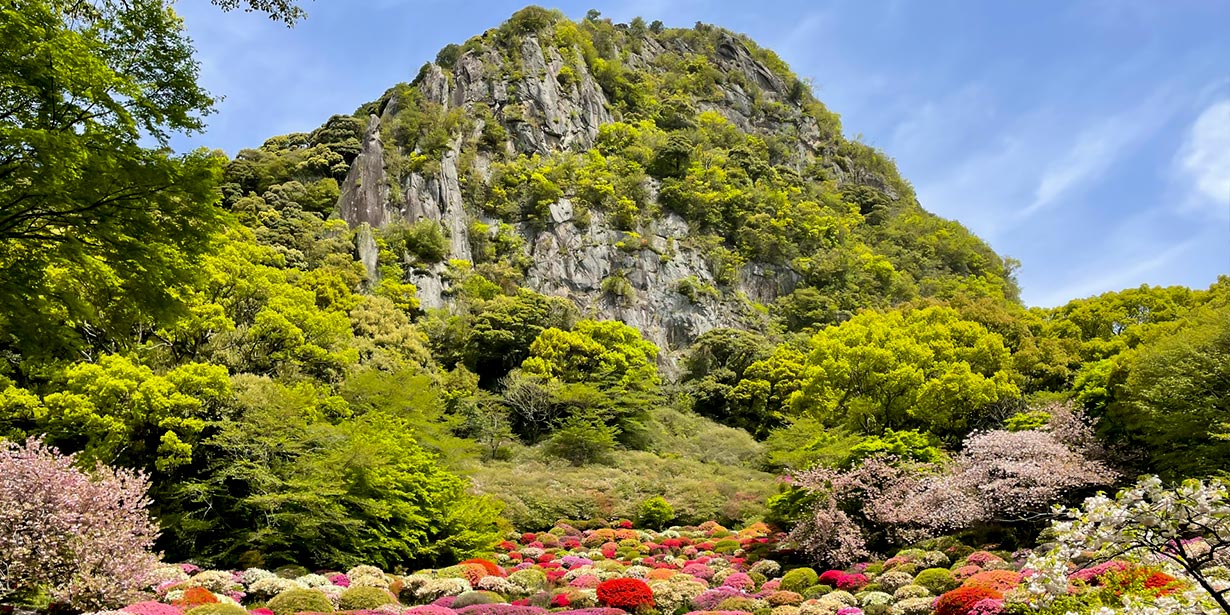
(150, 607)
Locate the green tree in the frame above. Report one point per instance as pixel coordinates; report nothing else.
(907, 445)
(299, 489)
(499, 331)
(1175, 400)
(97, 231)
(582, 441)
(926, 368)
(414, 399)
(120, 412)
(654, 513)
(607, 353)
(761, 400)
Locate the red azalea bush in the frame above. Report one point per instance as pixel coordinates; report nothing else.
(961, 600)
(627, 594)
(491, 567)
(851, 582)
(830, 577)
(998, 580)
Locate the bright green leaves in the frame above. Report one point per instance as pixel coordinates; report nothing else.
(607, 353)
(759, 402)
(581, 441)
(290, 334)
(118, 411)
(1174, 400)
(907, 445)
(925, 368)
(97, 232)
(495, 335)
(298, 486)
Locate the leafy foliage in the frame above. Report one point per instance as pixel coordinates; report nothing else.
(1182, 526)
(655, 513)
(925, 368)
(97, 232)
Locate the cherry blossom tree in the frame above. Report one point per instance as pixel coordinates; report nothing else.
(999, 476)
(84, 538)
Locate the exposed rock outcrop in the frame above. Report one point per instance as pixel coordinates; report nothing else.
(543, 113)
(365, 192)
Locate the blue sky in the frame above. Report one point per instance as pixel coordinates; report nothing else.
(1090, 139)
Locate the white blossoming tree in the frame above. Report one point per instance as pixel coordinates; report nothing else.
(1185, 529)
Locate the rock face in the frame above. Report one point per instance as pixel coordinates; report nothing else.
(666, 290)
(365, 193)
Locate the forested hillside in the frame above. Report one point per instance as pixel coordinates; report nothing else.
(574, 270)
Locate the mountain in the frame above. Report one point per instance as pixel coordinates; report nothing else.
(571, 270)
(678, 180)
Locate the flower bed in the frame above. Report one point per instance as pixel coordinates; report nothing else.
(614, 570)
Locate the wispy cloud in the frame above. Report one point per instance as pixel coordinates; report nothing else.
(1101, 278)
(1095, 150)
(1204, 159)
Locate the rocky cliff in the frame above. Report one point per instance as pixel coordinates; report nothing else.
(541, 87)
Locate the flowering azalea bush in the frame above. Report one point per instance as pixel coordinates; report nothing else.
(614, 569)
(627, 594)
(1155, 547)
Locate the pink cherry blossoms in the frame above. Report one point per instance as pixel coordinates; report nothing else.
(1002, 475)
(84, 538)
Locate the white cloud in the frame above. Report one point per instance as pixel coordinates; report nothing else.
(1103, 277)
(1094, 151)
(1204, 158)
